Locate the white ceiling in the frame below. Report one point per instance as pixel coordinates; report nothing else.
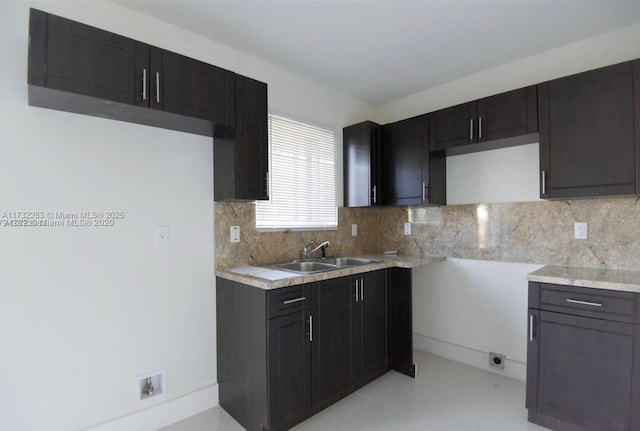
(379, 51)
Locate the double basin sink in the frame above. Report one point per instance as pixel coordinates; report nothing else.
(313, 266)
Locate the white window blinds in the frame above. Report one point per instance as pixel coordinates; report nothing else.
(302, 173)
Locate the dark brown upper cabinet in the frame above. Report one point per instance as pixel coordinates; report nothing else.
(590, 133)
(486, 123)
(78, 68)
(410, 173)
(241, 161)
(361, 156)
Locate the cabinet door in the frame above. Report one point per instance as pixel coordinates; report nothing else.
(583, 370)
(370, 324)
(453, 127)
(414, 176)
(251, 139)
(509, 114)
(361, 148)
(588, 144)
(332, 341)
(289, 365)
(189, 87)
(76, 58)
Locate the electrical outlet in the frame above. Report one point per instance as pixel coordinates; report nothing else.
(496, 360)
(235, 233)
(407, 228)
(161, 236)
(354, 229)
(580, 230)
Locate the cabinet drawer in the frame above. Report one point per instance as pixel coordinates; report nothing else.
(288, 300)
(581, 301)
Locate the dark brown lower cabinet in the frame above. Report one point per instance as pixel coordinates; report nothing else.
(333, 341)
(582, 373)
(285, 354)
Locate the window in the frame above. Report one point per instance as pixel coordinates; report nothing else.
(302, 177)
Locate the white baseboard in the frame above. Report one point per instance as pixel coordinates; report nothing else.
(165, 414)
(474, 358)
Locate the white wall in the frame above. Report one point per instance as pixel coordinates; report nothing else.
(464, 309)
(85, 310)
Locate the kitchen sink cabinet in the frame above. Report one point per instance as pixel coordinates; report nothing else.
(461, 128)
(361, 155)
(333, 342)
(241, 161)
(581, 365)
(289, 367)
(589, 135)
(411, 174)
(285, 354)
(78, 68)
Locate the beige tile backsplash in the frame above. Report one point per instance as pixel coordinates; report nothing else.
(531, 232)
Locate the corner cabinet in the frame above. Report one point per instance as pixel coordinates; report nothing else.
(285, 354)
(82, 69)
(411, 174)
(460, 129)
(361, 157)
(582, 359)
(590, 133)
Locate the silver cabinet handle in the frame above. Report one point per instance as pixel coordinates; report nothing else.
(544, 182)
(266, 178)
(357, 291)
(479, 127)
(375, 197)
(291, 301)
(310, 329)
(591, 304)
(361, 289)
(144, 84)
(157, 87)
(424, 192)
(531, 327)
(471, 129)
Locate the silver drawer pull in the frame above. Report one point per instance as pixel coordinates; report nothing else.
(291, 301)
(592, 304)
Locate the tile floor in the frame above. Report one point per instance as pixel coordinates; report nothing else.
(446, 396)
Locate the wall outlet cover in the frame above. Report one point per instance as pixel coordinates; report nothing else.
(354, 229)
(580, 230)
(497, 360)
(407, 228)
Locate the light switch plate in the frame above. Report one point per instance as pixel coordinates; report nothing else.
(354, 229)
(407, 228)
(235, 233)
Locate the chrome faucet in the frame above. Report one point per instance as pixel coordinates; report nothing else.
(306, 253)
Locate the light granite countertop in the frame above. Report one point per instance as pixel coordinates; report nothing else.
(269, 278)
(622, 280)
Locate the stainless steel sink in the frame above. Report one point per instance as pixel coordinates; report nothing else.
(312, 266)
(348, 261)
(306, 267)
